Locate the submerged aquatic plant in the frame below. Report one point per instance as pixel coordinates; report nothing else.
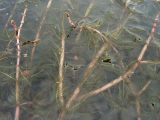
(83, 49)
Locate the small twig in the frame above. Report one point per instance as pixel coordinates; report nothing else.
(17, 35)
(144, 88)
(79, 35)
(138, 95)
(26, 103)
(138, 108)
(89, 8)
(70, 21)
(11, 15)
(61, 66)
(150, 62)
(39, 30)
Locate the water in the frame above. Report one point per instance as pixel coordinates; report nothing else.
(127, 25)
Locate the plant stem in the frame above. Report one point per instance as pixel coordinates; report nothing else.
(17, 112)
(39, 30)
(61, 66)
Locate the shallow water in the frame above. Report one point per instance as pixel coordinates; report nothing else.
(127, 26)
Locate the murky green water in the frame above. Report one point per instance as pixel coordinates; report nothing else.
(127, 26)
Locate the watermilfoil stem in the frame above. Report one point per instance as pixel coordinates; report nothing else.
(17, 35)
(61, 66)
(39, 30)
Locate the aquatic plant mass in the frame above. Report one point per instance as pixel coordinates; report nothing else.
(80, 60)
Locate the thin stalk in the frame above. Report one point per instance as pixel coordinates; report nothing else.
(138, 108)
(18, 32)
(39, 30)
(11, 15)
(138, 95)
(150, 62)
(89, 8)
(61, 66)
(144, 88)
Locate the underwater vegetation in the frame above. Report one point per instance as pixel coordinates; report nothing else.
(80, 60)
